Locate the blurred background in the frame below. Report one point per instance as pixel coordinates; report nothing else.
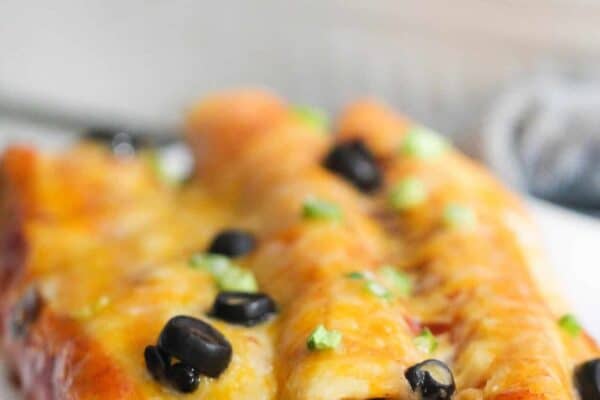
(513, 82)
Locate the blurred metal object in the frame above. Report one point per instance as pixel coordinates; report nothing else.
(122, 143)
(543, 136)
(124, 133)
(168, 154)
(54, 128)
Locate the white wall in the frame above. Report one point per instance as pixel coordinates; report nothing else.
(439, 60)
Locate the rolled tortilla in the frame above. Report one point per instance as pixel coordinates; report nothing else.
(107, 247)
(303, 263)
(482, 280)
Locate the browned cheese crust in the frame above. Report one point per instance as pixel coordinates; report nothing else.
(94, 254)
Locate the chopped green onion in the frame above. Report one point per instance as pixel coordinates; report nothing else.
(215, 264)
(312, 116)
(237, 279)
(157, 165)
(398, 282)
(377, 289)
(355, 275)
(319, 209)
(458, 215)
(227, 275)
(323, 339)
(569, 324)
(426, 341)
(423, 143)
(408, 193)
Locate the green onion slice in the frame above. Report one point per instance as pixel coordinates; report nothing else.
(314, 208)
(426, 341)
(569, 324)
(377, 289)
(323, 339)
(355, 275)
(312, 116)
(237, 279)
(227, 275)
(215, 264)
(398, 282)
(459, 216)
(423, 143)
(407, 194)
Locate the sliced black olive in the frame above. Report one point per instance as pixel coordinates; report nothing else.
(354, 161)
(243, 308)
(25, 312)
(183, 377)
(431, 379)
(232, 243)
(157, 362)
(121, 143)
(587, 377)
(196, 343)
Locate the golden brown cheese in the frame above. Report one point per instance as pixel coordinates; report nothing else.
(506, 337)
(106, 244)
(303, 263)
(103, 239)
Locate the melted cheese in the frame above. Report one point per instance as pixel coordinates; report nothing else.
(108, 246)
(487, 279)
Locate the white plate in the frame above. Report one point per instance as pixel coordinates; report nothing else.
(572, 243)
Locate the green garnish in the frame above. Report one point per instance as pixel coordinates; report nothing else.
(408, 193)
(458, 216)
(398, 282)
(237, 279)
(215, 264)
(426, 341)
(355, 275)
(423, 143)
(569, 324)
(227, 275)
(319, 209)
(157, 165)
(323, 339)
(377, 289)
(395, 283)
(312, 116)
